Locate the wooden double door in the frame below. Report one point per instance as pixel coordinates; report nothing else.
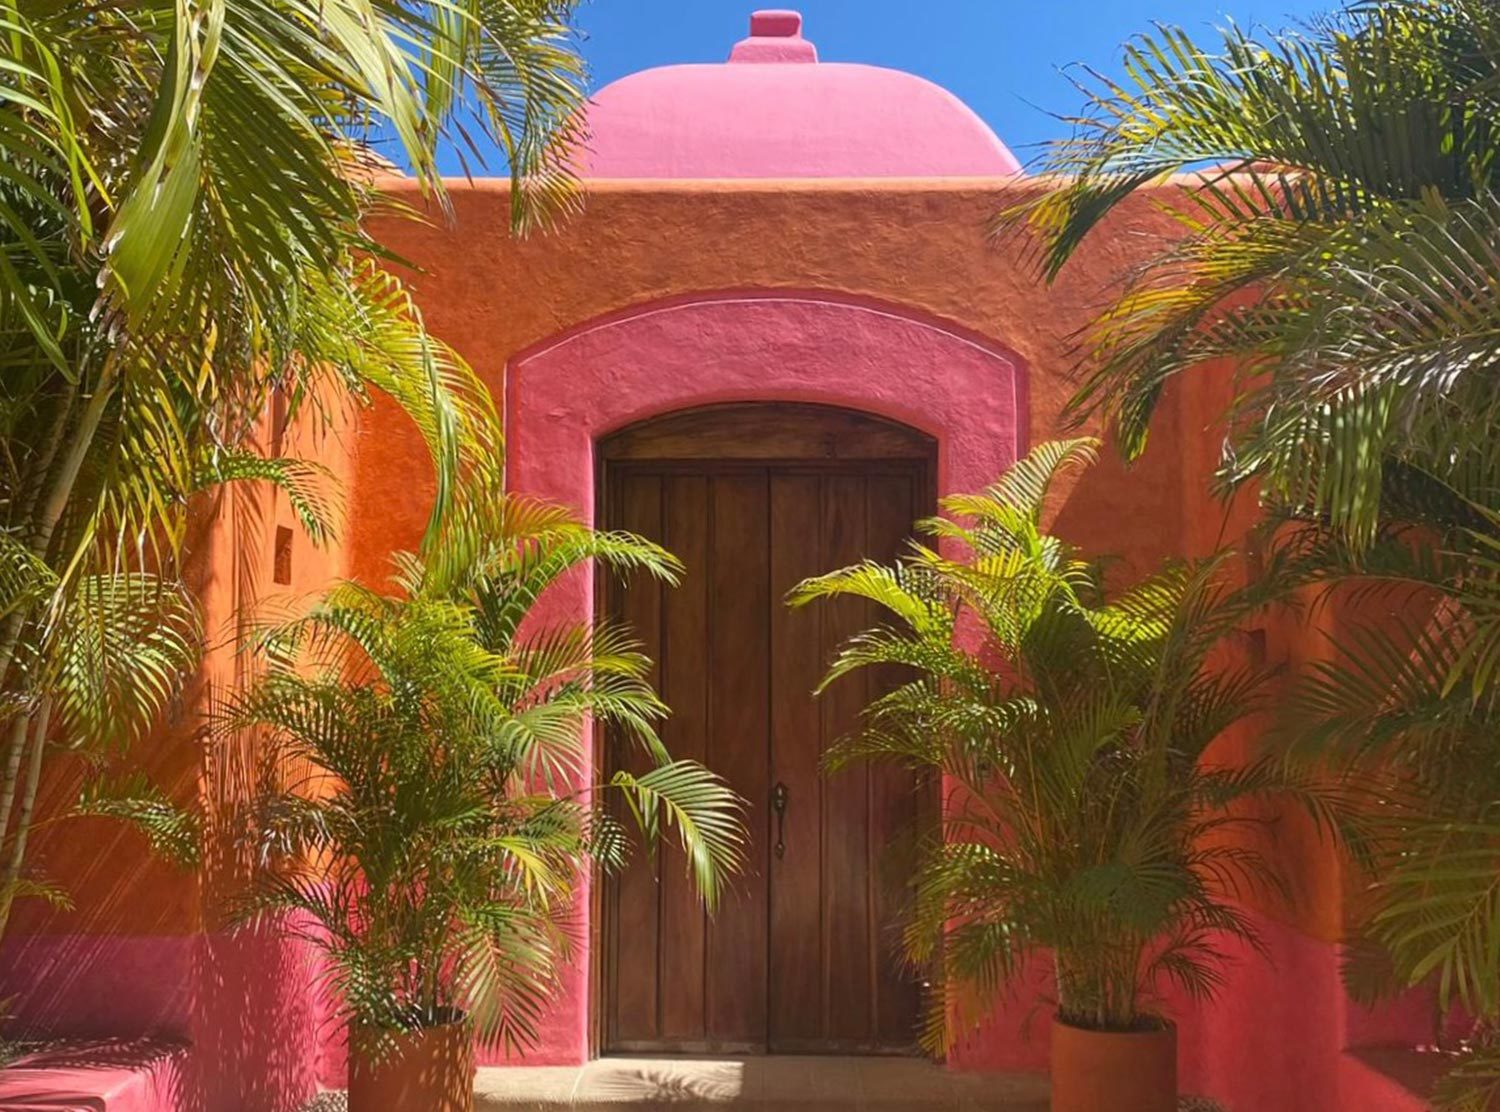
(803, 954)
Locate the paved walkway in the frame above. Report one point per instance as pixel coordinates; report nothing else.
(762, 1084)
(805, 1084)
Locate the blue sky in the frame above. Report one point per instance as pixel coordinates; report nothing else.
(1003, 57)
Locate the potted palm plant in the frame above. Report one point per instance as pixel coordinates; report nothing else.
(1068, 726)
(423, 817)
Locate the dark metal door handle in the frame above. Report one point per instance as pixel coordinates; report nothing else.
(779, 796)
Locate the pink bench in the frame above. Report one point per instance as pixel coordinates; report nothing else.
(98, 1076)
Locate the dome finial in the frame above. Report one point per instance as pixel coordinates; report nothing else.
(776, 23)
(775, 36)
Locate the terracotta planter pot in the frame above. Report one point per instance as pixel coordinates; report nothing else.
(431, 1070)
(1118, 1071)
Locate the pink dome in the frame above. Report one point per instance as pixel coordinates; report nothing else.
(775, 111)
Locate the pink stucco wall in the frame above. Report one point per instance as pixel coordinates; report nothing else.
(1276, 1038)
(243, 1005)
(813, 346)
(146, 952)
(1285, 1006)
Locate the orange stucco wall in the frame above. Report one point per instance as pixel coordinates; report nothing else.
(144, 949)
(919, 244)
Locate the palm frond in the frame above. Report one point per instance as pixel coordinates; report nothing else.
(121, 651)
(703, 809)
(307, 485)
(172, 831)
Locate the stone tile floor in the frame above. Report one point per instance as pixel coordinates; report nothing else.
(763, 1084)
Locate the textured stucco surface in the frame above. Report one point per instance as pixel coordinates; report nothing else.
(882, 294)
(917, 246)
(817, 347)
(145, 951)
(110, 1076)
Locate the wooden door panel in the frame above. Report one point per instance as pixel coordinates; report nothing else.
(683, 665)
(847, 1003)
(837, 981)
(797, 663)
(895, 502)
(738, 729)
(634, 967)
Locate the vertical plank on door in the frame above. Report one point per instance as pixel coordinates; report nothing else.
(634, 966)
(846, 894)
(894, 505)
(796, 982)
(738, 654)
(684, 668)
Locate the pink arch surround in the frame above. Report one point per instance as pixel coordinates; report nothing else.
(563, 395)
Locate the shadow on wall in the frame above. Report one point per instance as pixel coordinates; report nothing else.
(1133, 510)
(257, 1022)
(82, 986)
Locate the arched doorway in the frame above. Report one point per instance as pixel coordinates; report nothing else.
(803, 956)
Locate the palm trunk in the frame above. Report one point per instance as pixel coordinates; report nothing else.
(59, 491)
(78, 450)
(48, 457)
(12, 878)
(15, 621)
(1064, 985)
(13, 756)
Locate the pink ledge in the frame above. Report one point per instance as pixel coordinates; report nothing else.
(107, 1076)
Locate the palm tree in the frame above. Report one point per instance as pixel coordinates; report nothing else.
(432, 834)
(1408, 708)
(1349, 167)
(181, 232)
(1337, 199)
(1072, 726)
